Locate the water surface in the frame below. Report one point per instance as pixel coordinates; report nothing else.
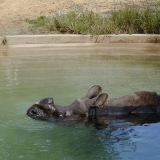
(27, 75)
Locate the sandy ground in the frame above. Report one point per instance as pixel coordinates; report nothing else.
(14, 13)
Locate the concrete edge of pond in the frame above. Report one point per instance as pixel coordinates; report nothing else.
(72, 38)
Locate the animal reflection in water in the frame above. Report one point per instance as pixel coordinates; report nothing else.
(96, 108)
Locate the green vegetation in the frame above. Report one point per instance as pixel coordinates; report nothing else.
(4, 41)
(129, 19)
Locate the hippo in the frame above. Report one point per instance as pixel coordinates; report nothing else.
(143, 102)
(97, 104)
(45, 109)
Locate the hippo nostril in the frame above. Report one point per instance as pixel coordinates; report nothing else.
(33, 112)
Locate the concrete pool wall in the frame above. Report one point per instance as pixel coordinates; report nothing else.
(70, 38)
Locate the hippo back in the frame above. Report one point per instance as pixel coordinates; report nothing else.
(138, 102)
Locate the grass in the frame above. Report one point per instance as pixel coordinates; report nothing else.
(130, 19)
(4, 41)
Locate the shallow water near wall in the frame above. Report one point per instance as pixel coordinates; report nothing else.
(29, 74)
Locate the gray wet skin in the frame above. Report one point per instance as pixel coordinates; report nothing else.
(96, 102)
(45, 108)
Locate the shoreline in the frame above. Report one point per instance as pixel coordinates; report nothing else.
(68, 39)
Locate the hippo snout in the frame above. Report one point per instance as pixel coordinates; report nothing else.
(35, 112)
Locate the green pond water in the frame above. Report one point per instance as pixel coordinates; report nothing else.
(28, 75)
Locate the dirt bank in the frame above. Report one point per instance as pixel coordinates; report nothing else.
(13, 14)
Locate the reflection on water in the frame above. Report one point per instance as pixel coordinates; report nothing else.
(138, 142)
(29, 75)
(121, 121)
(10, 68)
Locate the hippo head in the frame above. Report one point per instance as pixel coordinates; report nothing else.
(45, 109)
(42, 109)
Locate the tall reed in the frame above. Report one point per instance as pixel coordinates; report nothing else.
(130, 19)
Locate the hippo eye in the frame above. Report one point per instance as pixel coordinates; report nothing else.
(46, 101)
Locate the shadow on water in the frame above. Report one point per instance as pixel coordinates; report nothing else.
(103, 122)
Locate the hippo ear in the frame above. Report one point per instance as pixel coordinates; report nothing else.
(101, 100)
(94, 91)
